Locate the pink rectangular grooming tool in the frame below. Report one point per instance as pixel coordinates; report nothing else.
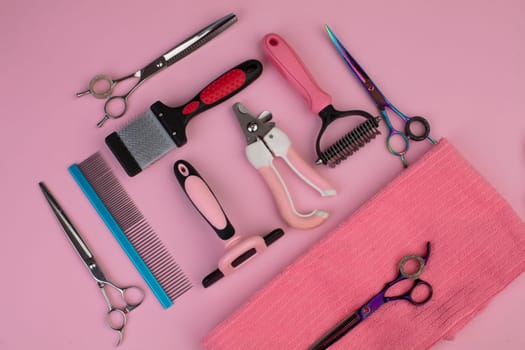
(478, 248)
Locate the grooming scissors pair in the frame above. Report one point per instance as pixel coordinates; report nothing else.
(102, 85)
(383, 103)
(380, 299)
(132, 296)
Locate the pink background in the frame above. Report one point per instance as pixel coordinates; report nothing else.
(459, 63)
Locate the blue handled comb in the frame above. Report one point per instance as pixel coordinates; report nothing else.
(129, 227)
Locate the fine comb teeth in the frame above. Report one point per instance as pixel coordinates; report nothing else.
(136, 237)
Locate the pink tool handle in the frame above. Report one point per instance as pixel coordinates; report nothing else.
(308, 174)
(203, 199)
(293, 69)
(281, 146)
(284, 203)
(226, 263)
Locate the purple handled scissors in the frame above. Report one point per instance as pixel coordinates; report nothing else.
(383, 103)
(380, 299)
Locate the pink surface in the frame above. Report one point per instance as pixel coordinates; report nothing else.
(442, 200)
(460, 64)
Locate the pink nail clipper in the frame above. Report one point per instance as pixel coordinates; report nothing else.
(265, 142)
(239, 249)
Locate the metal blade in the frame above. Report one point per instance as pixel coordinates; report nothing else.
(252, 126)
(69, 229)
(358, 72)
(199, 39)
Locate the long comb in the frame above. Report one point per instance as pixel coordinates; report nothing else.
(129, 227)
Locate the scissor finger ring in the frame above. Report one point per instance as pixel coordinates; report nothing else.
(417, 120)
(407, 258)
(133, 296)
(391, 147)
(114, 109)
(99, 89)
(116, 319)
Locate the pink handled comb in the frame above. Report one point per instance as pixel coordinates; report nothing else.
(239, 249)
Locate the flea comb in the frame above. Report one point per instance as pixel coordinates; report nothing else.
(129, 227)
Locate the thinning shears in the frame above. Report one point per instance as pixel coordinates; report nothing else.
(102, 85)
(380, 299)
(132, 296)
(383, 103)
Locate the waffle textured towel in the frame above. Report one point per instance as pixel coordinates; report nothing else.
(478, 248)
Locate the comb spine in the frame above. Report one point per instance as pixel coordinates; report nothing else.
(120, 236)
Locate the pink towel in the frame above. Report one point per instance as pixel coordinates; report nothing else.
(478, 248)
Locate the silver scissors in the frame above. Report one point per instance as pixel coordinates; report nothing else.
(102, 85)
(132, 296)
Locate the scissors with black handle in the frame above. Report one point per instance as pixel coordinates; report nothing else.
(132, 296)
(380, 299)
(383, 103)
(102, 85)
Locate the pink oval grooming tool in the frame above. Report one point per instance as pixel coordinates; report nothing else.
(239, 249)
(288, 63)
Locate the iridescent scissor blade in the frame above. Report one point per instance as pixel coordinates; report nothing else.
(356, 69)
(70, 230)
(198, 39)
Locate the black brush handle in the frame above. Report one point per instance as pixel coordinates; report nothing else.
(216, 275)
(273, 236)
(175, 119)
(203, 199)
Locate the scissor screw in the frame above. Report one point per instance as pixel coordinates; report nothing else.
(159, 65)
(161, 114)
(252, 127)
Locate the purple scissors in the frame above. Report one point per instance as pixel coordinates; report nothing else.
(383, 103)
(380, 299)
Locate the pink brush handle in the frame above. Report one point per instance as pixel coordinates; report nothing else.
(293, 69)
(203, 199)
(284, 203)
